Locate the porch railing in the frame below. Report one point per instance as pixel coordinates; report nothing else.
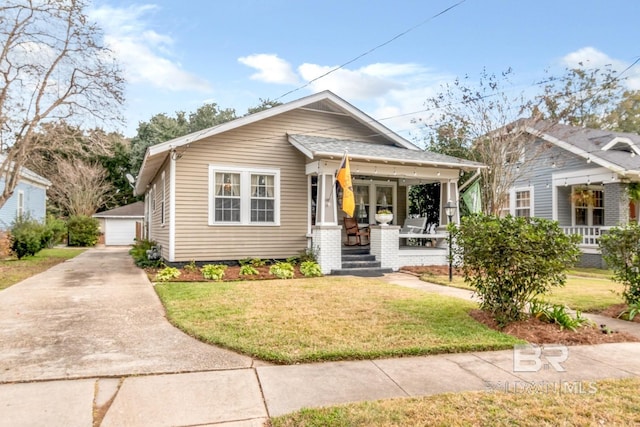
(590, 235)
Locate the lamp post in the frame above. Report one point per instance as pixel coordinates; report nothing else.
(450, 211)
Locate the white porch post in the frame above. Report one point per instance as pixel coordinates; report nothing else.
(326, 235)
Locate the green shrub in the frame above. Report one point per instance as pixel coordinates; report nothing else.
(26, 236)
(509, 261)
(248, 270)
(630, 312)
(621, 251)
(53, 232)
(191, 267)
(257, 262)
(282, 270)
(557, 314)
(310, 269)
(213, 271)
(167, 273)
(139, 254)
(83, 231)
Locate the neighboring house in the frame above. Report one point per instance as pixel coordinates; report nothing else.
(29, 198)
(264, 185)
(579, 177)
(121, 226)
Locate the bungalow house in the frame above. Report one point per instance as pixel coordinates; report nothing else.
(29, 198)
(581, 178)
(263, 186)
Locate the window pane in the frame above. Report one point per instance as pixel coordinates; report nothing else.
(262, 186)
(227, 184)
(362, 203)
(227, 210)
(581, 216)
(598, 217)
(262, 210)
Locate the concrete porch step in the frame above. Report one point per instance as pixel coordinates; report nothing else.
(361, 263)
(355, 250)
(361, 272)
(363, 257)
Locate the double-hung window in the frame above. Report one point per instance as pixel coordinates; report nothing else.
(523, 203)
(244, 196)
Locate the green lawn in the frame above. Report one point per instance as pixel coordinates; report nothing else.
(588, 290)
(327, 318)
(610, 402)
(13, 271)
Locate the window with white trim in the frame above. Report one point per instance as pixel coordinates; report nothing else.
(523, 203)
(244, 196)
(20, 204)
(588, 206)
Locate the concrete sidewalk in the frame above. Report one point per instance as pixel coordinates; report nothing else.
(248, 397)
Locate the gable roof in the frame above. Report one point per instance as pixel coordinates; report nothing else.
(326, 100)
(28, 174)
(616, 151)
(315, 147)
(132, 210)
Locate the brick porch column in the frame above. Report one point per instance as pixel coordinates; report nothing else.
(326, 241)
(385, 245)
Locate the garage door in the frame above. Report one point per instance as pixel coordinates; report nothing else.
(119, 231)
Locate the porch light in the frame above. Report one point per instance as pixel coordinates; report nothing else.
(450, 211)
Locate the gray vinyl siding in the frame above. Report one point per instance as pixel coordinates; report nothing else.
(263, 144)
(539, 174)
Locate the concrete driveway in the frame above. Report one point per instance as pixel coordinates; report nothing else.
(95, 315)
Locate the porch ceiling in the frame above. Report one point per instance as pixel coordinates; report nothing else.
(319, 147)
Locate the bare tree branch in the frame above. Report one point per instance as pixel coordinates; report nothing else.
(52, 66)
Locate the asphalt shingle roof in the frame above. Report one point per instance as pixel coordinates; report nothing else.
(591, 142)
(322, 147)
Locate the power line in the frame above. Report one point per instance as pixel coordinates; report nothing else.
(333, 70)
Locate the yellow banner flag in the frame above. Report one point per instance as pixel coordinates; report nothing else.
(344, 179)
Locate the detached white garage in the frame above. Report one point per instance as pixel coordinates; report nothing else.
(120, 225)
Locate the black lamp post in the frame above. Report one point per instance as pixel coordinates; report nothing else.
(450, 211)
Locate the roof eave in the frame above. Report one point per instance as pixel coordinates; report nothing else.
(417, 162)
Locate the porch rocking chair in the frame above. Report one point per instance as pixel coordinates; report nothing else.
(353, 230)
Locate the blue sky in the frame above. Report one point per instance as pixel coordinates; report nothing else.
(178, 55)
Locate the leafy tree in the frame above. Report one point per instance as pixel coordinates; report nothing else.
(621, 251)
(580, 96)
(265, 104)
(161, 128)
(476, 121)
(509, 261)
(52, 67)
(625, 117)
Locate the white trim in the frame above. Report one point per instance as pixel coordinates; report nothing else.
(245, 195)
(172, 209)
(622, 140)
(512, 199)
(19, 204)
(581, 176)
(163, 204)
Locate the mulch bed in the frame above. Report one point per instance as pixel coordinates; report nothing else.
(536, 331)
(232, 273)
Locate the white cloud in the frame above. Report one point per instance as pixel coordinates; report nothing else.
(145, 54)
(589, 57)
(271, 69)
